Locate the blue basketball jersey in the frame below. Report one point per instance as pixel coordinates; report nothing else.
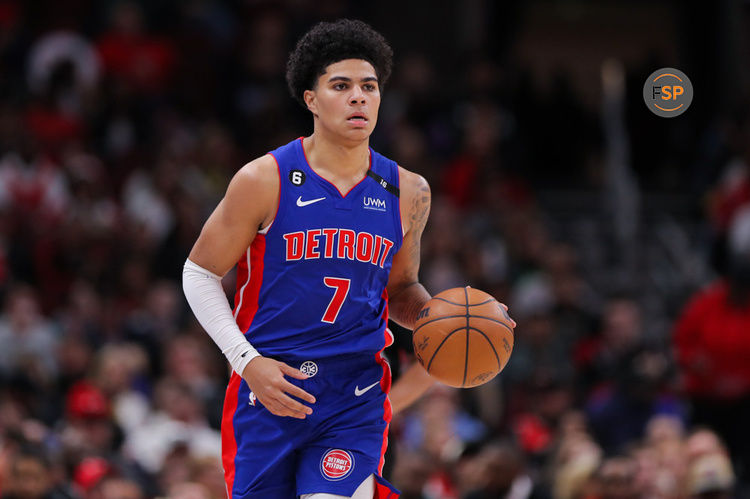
(311, 293)
(313, 285)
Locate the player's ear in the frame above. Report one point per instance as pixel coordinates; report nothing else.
(311, 101)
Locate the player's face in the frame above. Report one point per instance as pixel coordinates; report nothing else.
(346, 99)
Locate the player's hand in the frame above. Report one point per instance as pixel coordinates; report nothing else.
(265, 377)
(509, 317)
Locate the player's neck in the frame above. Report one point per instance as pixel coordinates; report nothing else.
(335, 161)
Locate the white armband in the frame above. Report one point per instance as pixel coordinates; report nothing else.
(209, 303)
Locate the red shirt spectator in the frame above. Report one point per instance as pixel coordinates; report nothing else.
(712, 340)
(141, 61)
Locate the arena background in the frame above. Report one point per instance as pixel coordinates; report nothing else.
(554, 188)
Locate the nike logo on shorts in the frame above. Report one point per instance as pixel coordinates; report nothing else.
(359, 393)
(309, 201)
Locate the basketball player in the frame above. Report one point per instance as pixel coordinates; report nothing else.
(327, 235)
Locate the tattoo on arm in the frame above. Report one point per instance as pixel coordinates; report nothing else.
(420, 210)
(413, 296)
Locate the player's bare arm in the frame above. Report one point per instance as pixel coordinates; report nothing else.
(412, 384)
(406, 296)
(248, 206)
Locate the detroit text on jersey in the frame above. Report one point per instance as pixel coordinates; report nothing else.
(337, 243)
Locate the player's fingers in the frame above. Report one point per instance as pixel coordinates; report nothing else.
(294, 408)
(290, 371)
(509, 317)
(299, 393)
(277, 408)
(283, 411)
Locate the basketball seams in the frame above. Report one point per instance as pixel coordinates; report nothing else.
(485, 302)
(492, 346)
(510, 329)
(447, 336)
(466, 351)
(459, 316)
(440, 353)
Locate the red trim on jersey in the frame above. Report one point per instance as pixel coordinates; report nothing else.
(249, 281)
(278, 203)
(383, 491)
(228, 440)
(385, 382)
(400, 218)
(304, 153)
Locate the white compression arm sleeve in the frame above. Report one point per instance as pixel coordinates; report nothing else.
(209, 303)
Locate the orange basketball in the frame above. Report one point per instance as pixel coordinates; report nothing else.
(463, 337)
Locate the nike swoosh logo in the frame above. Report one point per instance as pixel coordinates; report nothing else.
(310, 201)
(359, 393)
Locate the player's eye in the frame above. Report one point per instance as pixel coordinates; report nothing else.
(370, 87)
(339, 86)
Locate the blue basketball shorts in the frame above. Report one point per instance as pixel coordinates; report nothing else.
(333, 450)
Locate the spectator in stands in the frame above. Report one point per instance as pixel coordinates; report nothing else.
(179, 420)
(711, 477)
(712, 346)
(28, 340)
(616, 479)
(619, 411)
(31, 477)
(116, 487)
(503, 474)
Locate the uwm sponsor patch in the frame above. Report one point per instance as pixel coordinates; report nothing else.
(374, 204)
(336, 464)
(337, 243)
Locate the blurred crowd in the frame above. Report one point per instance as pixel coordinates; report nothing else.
(120, 126)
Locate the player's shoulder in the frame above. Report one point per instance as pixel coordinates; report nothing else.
(256, 182)
(412, 184)
(260, 173)
(263, 168)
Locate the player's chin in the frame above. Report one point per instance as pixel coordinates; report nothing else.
(358, 133)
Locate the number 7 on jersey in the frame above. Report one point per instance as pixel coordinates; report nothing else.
(341, 286)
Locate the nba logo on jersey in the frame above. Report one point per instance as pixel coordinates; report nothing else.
(336, 464)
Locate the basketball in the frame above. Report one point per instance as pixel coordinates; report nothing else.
(463, 337)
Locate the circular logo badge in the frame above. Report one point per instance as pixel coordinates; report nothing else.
(336, 464)
(668, 92)
(309, 367)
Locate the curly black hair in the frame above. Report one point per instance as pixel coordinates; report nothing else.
(330, 42)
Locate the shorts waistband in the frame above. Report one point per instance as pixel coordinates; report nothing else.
(333, 365)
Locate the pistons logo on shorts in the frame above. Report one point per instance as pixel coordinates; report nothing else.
(336, 464)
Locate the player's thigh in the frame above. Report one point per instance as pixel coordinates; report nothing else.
(366, 490)
(260, 451)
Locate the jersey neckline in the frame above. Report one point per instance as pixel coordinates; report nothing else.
(327, 183)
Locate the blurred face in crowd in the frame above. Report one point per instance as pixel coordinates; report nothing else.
(117, 488)
(29, 478)
(622, 322)
(345, 100)
(501, 466)
(22, 309)
(617, 479)
(702, 442)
